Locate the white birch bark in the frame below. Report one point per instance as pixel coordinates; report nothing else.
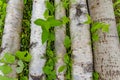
(37, 49)
(107, 49)
(80, 37)
(12, 30)
(60, 33)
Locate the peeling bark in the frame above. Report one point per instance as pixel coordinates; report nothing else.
(12, 30)
(37, 49)
(107, 49)
(60, 33)
(80, 37)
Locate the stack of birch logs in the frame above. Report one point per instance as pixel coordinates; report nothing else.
(104, 59)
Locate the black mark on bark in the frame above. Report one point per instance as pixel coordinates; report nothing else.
(37, 77)
(1, 49)
(79, 24)
(78, 10)
(33, 44)
(88, 68)
(104, 19)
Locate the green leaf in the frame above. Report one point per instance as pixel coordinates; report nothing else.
(51, 54)
(44, 24)
(1, 3)
(116, 3)
(53, 22)
(8, 58)
(46, 13)
(45, 36)
(40, 22)
(50, 6)
(68, 76)
(66, 59)
(5, 69)
(23, 55)
(65, 20)
(4, 7)
(96, 26)
(25, 1)
(52, 76)
(105, 28)
(62, 68)
(67, 42)
(52, 37)
(24, 78)
(47, 69)
(51, 62)
(95, 37)
(20, 67)
(66, 3)
(96, 76)
(118, 29)
(6, 78)
(89, 21)
(47, 26)
(1, 22)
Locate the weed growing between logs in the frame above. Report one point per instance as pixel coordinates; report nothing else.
(2, 17)
(48, 36)
(22, 57)
(95, 27)
(25, 38)
(116, 6)
(67, 44)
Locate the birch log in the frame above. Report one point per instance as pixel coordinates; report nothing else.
(80, 37)
(60, 33)
(107, 49)
(12, 30)
(37, 49)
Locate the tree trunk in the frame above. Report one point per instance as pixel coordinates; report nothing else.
(107, 49)
(37, 49)
(80, 37)
(59, 39)
(12, 30)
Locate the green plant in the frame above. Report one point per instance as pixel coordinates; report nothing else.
(2, 16)
(68, 62)
(46, 25)
(97, 26)
(66, 3)
(6, 78)
(116, 6)
(25, 41)
(25, 34)
(67, 59)
(67, 42)
(48, 36)
(95, 76)
(9, 59)
(24, 58)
